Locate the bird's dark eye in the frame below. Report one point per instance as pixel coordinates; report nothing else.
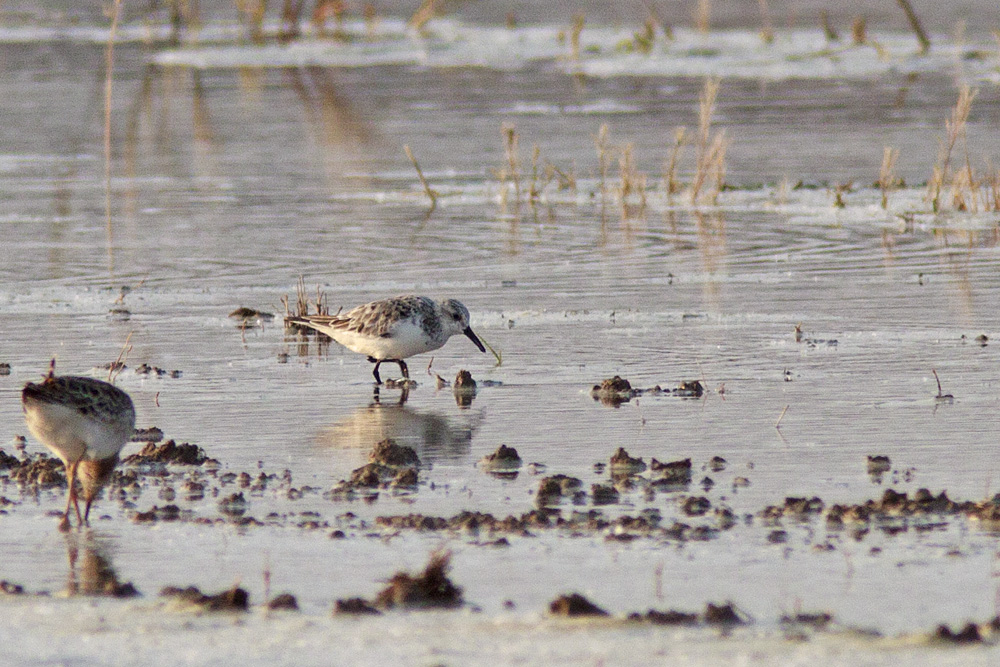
(457, 317)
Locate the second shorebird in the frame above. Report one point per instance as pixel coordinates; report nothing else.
(85, 422)
(394, 329)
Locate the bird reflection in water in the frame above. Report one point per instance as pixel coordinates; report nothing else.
(90, 569)
(433, 436)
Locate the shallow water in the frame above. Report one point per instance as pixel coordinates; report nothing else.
(227, 184)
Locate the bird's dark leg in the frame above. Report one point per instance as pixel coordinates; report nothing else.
(378, 362)
(403, 369)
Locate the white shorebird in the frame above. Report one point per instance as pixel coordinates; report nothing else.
(394, 329)
(85, 422)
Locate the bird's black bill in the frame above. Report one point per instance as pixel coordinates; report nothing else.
(474, 339)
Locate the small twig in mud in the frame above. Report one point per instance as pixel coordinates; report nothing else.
(125, 291)
(441, 382)
(777, 424)
(940, 396)
(431, 194)
(156, 399)
(911, 16)
(887, 180)
(119, 365)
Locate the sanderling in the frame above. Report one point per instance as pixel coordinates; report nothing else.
(85, 422)
(394, 329)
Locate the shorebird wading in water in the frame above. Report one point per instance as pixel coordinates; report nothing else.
(85, 422)
(394, 329)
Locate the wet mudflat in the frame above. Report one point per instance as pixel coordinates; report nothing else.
(787, 308)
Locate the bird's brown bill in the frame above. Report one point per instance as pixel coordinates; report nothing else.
(474, 339)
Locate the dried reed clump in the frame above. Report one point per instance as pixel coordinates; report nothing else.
(302, 301)
(703, 16)
(632, 182)
(887, 179)
(710, 165)
(543, 173)
(962, 183)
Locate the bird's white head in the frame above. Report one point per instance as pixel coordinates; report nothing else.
(455, 320)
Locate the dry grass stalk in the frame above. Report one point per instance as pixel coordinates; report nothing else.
(425, 12)
(109, 61)
(824, 19)
(431, 194)
(670, 182)
(955, 127)
(654, 17)
(887, 180)
(991, 188)
(703, 16)
(574, 36)
(370, 15)
(859, 31)
(839, 190)
(918, 30)
(710, 149)
(603, 157)
(534, 192)
(324, 10)
(633, 181)
(291, 16)
(512, 153)
(767, 28)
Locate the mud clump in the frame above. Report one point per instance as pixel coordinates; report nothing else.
(574, 605)
(552, 489)
(235, 599)
(669, 617)
(603, 495)
(169, 453)
(41, 471)
(797, 508)
(504, 459)
(970, 634)
(430, 589)
(10, 588)
(623, 464)
(284, 601)
(817, 621)
(670, 475)
(354, 606)
(877, 467)
(4, 368)
(152, 434)
(464, 389)
(696, 506)
(724, 614)
(388, 453)
(613, 391)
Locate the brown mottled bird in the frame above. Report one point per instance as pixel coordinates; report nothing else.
(85, 422)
